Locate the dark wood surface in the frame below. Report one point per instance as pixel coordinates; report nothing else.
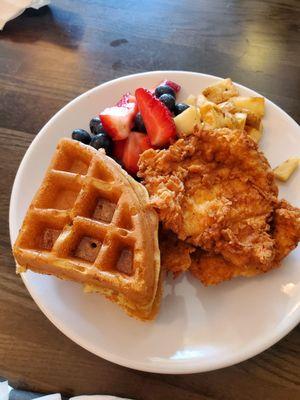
(49, 57)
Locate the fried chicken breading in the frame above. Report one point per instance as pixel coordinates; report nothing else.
(212, 269)
(286, 229)
(214, 189)
(175, 254)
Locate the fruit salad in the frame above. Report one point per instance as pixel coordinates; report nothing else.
(137, 122)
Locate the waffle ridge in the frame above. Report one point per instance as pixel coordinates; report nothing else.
(91, 222)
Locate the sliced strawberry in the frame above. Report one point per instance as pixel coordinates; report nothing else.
(125, 99)
(118, 150)
(172, 85)
(157, 118)
(118, 121)
(135, 145)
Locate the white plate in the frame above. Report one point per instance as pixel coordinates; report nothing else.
(198, 329)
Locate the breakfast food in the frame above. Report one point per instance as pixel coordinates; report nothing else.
(90, 222)
(216, 192)
(211, 268)
(211, 188)
(286, 169)
(134, 124)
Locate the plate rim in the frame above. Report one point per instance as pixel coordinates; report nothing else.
(179, 366)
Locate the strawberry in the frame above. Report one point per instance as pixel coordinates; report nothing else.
(119, 149)
(135, 145)
(172, 85)
(157, 118)
(125, 99)
(118, 120)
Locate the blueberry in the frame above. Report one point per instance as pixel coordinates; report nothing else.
(102, 141)
(180, 107)
(164, 89)
(94, 123)
(139, 123)
(81, 135)
(96, 126)
(168, 100)
(100, 129)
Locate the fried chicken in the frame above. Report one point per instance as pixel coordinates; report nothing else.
(211, 269)
(175, 254)
(286, 229)
(215, 190)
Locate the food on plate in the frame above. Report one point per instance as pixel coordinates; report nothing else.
(212, 268)
(174, 85)
(187, 121)
(90, 222)
(210, 186)
(164, 89)
(180, 107)
(253, 133)
(96, 126)
(285, 170)
(119, 129)
(175, 253)
(119, 119)
(191, 100)
(216, 191)
(139, 125)
(220, 91)
(82, 136)
(102, 141)
(135, 145)
(157, 118)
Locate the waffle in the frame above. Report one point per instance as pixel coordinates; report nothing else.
(90, 222)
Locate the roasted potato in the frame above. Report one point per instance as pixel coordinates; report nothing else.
(240, 120)
(211, 116)
(285, 170)
(254, 133)
(201, 99)
(249, 105)
(191, 100)
(220, 91)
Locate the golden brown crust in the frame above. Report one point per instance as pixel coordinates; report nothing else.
(86, 217)
(175, 254)
(215, 190)
(286, 229)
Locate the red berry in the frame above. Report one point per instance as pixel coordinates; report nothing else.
(118, 120)
(125, 99)
(157, 118)
(172, 85)
(119, 149)
(134, 146)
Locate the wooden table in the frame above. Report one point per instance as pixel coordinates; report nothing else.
(51, 56)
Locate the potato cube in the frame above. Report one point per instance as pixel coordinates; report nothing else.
(187, 121)
(285, 170)
(201, 100)
(249, 105)
(254, 133)
(211, 116)
(220, 91)
(253, 120)
(228, 106)
(240, 120)
(191, 100)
